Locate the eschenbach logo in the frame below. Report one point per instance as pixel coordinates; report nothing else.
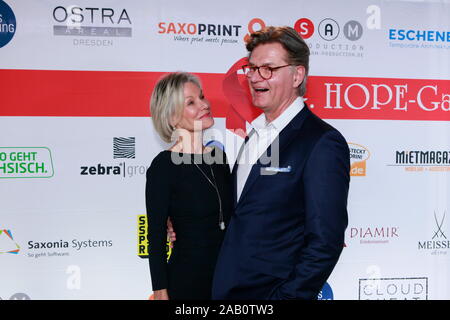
(422, 160)
(438, 244)
(123, 148)
(8, 24)
(415, 39)
(26, 162)
(86, 25)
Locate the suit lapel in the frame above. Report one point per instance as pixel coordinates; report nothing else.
(283, 139)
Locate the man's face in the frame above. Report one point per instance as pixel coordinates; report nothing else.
(280, 90)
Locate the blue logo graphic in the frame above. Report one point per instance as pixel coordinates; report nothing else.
(215, 143)
(326, 293)
(7, 24)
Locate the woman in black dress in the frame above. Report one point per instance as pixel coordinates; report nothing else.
(190, 184)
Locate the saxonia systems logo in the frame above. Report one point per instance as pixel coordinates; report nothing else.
(142, 231)
(422, 160)
(91, 26)
(8, 24)
(438, 243)
(358, 159)
(200, 33)
(7, 243)
(393, 289)
(26, 162)
(123, 148)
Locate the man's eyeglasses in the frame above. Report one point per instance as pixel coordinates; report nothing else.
(264, 71)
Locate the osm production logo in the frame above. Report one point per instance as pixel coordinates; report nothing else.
(8, 24)
(143, 246)
(358, 159)
(122, 148)
(89, 23)
(335, 37)
(26, 162)
(7, 243)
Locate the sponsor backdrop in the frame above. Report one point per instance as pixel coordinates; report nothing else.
(76, 136)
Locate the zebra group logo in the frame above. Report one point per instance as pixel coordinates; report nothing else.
(124, 148)
(7, 243)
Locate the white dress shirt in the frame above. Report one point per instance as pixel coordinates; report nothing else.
(261, 135)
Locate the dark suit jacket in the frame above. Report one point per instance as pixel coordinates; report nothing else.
(287, 230)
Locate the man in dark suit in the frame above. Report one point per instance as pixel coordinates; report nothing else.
(291, 182)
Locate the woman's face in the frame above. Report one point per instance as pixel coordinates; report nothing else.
(196, 112)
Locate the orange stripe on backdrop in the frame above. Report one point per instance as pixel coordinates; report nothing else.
(127, 94)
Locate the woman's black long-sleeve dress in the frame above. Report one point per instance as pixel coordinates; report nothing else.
(182, 192)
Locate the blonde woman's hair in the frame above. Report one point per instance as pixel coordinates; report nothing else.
(167, 102)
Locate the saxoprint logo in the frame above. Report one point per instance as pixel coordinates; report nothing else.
(122, 148)
(200, 33)
(8, 24)
(26, 162)
(438, 243)
(87, 25)
(7, 242)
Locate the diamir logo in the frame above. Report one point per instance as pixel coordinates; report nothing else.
(7, 243)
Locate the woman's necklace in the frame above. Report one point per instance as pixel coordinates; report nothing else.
(221, 221)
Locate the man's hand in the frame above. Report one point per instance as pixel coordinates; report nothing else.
(171, 233)
(160, 295)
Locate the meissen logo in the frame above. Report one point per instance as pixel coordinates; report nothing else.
(439, 243)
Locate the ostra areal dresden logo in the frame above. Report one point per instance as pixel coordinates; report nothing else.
(7, 24)
(26, 162)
